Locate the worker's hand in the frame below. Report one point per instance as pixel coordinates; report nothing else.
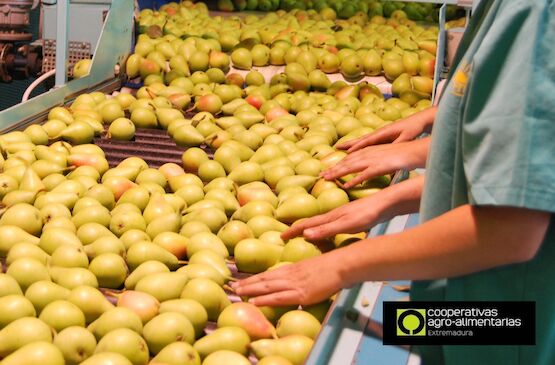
(354, 217)
(379, 160)
(299, 283)
(401, 131)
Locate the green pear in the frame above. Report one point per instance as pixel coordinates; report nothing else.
(225, 357)
(226, 197)
(192, 227)
(151, 175)
(260, 191)
(58, 237)
(156, 207)
(67, 199)
(36, 353)
(247, 172)
(187, 136)
(106, 244)
(261, 224)
(19, 197)
(209, 294)
(298, 249)
(94, 214)
(61, 314)
(273, 237)
(166, 223)
(115, 318)
(7, 184)
(233, 232)
(310, 167)
(242, 59)
(255, 256)
(76, 344)
(61, 222)
(297, 207)
(203, 271)
(102, 194)
(42, 293)
(304, 181)
(133, 236)
(253, 209)
(213, 217)
(162, 285)
(21, 250)
(144, 251)
(294, 348)
(14, 307)
(90, 301)
(27, 271)
(330, 199)
(107, 358)
(226, 338)
(124, 222)
(78, 133)
(22, 332)
(31, 181)
(127, 343)
(84, 204)
(191, 309)
(192, 158)
(274, 174)
(167, 328)
(290, 192)
(212, 259)
(248, 317)
(298, 322)
(72, 277)
(110, 270)
(177, 353)
(206, 241)
(24, 216)
(9, 286)
(69, 256)
(144, 269)
(210, 170)
(55, 210)
(90, 232)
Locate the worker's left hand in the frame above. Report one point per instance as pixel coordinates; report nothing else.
(379, 160)
(353, 217)
(299, 283)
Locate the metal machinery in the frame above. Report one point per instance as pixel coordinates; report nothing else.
(16, 54)
(352, 330)
(112, 49)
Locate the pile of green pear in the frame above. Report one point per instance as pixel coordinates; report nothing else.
(127, 265)
(190, 40)
(158, 242)
(71, 225)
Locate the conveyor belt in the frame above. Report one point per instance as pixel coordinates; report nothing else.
(154, 146)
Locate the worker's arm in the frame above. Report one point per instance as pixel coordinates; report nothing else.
(401, 131)
(361, 214)
(380, 160)
(463, 241)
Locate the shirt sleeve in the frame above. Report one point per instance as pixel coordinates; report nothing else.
(508, 133)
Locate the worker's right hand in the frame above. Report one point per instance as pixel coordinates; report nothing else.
(400, 131)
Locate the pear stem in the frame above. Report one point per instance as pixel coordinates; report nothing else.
(228, 288)
(112, 294)
(182, 262)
